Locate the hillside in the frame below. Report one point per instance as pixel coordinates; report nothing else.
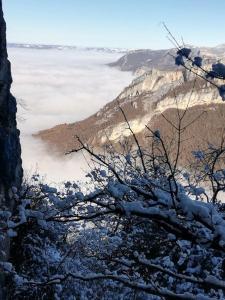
(143, 101)
(160, 59)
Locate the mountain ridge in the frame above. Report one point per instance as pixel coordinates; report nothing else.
(66, 47)
(153, 92)
(163, 59)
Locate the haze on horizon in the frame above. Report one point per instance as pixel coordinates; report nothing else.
(124, 24)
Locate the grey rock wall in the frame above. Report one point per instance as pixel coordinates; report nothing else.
(10, 152)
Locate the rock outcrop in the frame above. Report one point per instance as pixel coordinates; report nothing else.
(144, 100)
(10, 151)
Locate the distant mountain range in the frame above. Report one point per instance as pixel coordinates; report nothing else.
(133, 59)
(62, 47)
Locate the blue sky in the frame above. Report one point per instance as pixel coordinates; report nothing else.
(115, 23)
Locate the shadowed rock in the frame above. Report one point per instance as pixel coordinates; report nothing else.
(10, 152)
(10, 160)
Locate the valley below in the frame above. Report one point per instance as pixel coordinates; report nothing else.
(55, 86)
(64, 93)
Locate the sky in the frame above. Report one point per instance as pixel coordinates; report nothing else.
(115, 23)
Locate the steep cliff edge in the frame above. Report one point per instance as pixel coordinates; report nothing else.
(10, 152)
(144, 101)
(10, 159)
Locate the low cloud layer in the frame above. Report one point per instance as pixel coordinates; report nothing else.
(54, 87)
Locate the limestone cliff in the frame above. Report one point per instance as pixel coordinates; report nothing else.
(10, 159)
(143, 101)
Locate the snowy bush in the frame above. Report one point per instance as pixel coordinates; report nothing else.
(194, 63)
(142, 228)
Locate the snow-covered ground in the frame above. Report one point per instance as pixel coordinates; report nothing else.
(54, 87)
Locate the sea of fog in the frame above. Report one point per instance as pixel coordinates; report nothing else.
(53, 87)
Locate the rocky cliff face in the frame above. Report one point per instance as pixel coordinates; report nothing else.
(10, 160)
(160, 87)
(144, 100)
(152, 81)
